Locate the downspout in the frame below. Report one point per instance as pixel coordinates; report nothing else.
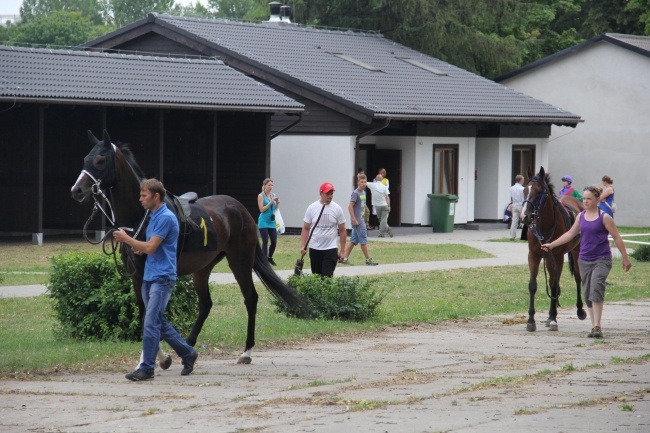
(291, 125)
(358, 139)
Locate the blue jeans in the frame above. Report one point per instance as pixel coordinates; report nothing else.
(155, 295)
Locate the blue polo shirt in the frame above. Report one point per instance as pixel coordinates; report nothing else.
(163, 223)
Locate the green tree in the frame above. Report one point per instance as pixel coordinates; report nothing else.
(125, 12)
(641, 9)
(90, 9)
(235, 9)
(55, 30)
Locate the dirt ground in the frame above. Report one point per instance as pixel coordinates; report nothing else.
(486, 375)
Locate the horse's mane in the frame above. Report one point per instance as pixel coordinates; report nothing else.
(126, 150)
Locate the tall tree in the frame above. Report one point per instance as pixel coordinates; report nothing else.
(59, 29)
(90, 9)
(125, 12)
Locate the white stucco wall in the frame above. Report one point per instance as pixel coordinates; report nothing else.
(300, 164)
(609, 87)
(417, 175)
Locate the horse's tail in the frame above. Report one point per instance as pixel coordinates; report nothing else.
(571, 264)
(279, 288)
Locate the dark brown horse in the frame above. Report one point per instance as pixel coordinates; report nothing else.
(548, 217)
(110, 171)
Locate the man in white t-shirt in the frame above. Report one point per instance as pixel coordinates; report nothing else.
(381, 202)
(323, 249)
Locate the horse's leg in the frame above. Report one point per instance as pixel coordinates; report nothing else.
(554, 268)
(580, 311)
(201, 279)
(533, 265)
(244, 277)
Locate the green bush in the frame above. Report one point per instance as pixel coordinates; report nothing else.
(341, 298)
(642, 253)
(91, 301)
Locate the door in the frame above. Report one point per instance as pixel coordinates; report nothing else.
(391, 161)
(523, 160)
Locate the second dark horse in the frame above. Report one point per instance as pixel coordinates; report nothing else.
(113, 168)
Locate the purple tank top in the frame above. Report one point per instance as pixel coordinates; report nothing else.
(594, 244)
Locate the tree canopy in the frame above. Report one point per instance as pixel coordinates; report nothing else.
(488, 37)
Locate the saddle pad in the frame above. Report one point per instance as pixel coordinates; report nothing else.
(197, 232)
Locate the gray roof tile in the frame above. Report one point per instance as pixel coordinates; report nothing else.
(400, 90)
(30, 74)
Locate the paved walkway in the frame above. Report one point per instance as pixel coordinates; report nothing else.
(505, 254)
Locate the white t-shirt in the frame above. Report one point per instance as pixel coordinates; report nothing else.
(517, 194)
(379, 193)
(326, 233)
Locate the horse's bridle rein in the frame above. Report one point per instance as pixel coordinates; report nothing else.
(535, 228)
(97, 194)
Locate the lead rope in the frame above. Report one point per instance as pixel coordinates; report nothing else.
(96, 191)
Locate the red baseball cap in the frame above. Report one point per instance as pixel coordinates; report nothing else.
(326, 187)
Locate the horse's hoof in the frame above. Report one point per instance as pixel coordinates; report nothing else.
(166, 363)
(552, 326)
(531, 327)
(244, 360)
(582, 315)
(547, 323)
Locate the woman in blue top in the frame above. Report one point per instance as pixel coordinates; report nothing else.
(607, 197)
(268, 203)
(595, 259)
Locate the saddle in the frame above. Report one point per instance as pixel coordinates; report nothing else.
(569, 214)
(197, 233)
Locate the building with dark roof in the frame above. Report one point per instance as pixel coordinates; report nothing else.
(606, 80)
(194, 123)
(370, 103)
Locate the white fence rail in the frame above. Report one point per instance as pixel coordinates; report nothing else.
(631, 241)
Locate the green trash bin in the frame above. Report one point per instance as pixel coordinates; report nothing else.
(443, 209)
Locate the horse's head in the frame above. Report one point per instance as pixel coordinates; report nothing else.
(537, 191)
(98, 169)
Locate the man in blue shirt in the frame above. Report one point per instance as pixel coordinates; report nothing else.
(158, 282)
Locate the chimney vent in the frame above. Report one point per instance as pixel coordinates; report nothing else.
(285, 14)
(275, 12)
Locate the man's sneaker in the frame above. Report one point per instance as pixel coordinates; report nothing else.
(188, 364)
(271, 261)
(139, 375)
(369, 262)
(345, 261)
(390, 232)
(381, 235)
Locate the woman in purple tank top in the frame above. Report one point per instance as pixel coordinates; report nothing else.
(595, 261)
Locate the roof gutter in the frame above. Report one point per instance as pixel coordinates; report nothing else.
(362, 135)
(500, 119)
(286, 128)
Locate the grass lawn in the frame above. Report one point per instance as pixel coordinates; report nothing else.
(22, 263)
(30, 349)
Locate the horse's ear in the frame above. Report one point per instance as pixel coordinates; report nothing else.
(542, 173)
(106, 139)
(92, 138)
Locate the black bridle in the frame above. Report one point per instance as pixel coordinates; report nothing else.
(535, 225)
(99, 195)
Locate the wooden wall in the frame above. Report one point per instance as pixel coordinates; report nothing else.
(176, 146)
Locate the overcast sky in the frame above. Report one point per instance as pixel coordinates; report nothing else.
(12, 7)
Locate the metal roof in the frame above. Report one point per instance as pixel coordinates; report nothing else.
(637, 44)
(315, 60)
(43, 75)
